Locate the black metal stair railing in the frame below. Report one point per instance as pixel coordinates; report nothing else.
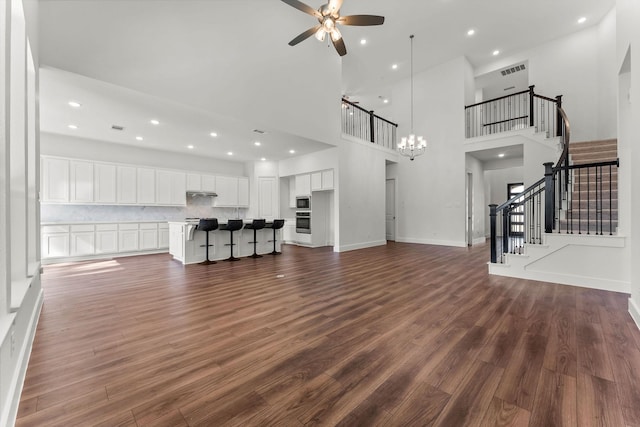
(365, 125)
(512, 112)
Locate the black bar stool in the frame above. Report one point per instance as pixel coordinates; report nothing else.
(277, 224)
(208, 224)
(256, 224)
(232, 225)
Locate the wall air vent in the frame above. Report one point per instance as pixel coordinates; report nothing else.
(116, 127)
(509, 88)
(512, 70)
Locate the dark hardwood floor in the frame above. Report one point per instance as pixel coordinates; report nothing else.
(400, 335)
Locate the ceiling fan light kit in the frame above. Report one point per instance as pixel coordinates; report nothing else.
(328, 16)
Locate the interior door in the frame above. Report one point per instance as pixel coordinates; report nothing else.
(469, 209)
(390, 210)
(267, 197)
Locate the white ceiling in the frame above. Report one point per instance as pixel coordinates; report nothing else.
(196, 65)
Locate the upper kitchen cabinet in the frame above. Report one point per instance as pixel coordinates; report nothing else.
(322, 180)
(146, 186)
(303, 185)
(55, 180)
(105, 183)
(232, 191)
(126, 185)
(171, 188)
(81, 182)
(194, 182)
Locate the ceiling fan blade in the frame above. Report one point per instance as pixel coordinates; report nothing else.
(361, 20)
(335, 5)
(305, 35)
(303, 7)
(340, 47)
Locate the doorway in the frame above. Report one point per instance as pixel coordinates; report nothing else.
(469, 209)
(390, 209)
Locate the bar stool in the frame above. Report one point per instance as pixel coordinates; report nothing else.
(232, 225)
(256, 224)
(277, 224)
(208, 224)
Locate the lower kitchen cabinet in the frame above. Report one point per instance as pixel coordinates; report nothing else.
(127, 237)
(106, 238)
(83, 240)
(148, 236)
(163, 235)
(55, 241)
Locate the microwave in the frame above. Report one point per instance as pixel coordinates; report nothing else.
(303, 202)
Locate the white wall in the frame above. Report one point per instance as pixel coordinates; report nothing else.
(479, 206)
(578, 67)
(495, 187)
(628, 38)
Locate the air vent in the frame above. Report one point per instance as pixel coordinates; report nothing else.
(509, 88)
(512, 70)
(261, 132)
(116, 127)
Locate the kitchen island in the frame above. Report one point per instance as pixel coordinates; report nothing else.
(187, 243)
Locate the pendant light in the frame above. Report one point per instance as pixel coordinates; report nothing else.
(412, 145)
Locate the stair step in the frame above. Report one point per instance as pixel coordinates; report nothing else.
(591, 215)
(591, 204)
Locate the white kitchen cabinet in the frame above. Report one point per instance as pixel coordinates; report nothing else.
(105, 183)
(176, 240)
(163, 235)
(146, 186)
(288, 231)
(80, 182)
(243, 192)
(303, 185)
(327, 179)
(55, 180)
(292, 192)
(55, 241)
(82, 240)
(267, 197)
(316, 181)
(171, 188)
(179, 189)
(227, 189)
(148, 238)
(194, 182)
(127, 237)
(126, 185)
(106, 238)
(208, 183)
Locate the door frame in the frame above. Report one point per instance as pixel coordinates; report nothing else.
(395, 208)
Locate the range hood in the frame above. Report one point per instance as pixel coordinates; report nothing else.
(202, 194)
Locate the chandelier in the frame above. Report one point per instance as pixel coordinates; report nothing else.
(412, 145)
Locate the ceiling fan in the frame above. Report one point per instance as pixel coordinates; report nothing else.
(328, 16)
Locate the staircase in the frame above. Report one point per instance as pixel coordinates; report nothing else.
(593, 206)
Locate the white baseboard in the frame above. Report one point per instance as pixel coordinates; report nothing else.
(634, 311)
(455, 243)
(356, 246)
(10, 413)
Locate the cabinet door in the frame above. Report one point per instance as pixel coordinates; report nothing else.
(148, 236)
(81, 182)
(227, 189)
(292, 191)
(55, 245)
(146, 186)
(127, 240)
(208, 183)
(327, 179)
(163, 236)
(178, 189)
(303, 185)
(55, 180)
(267, 197)
(163, 187)
(82, 243)
(106, 241)
(316, 181)
(194, 182)
(105, 183)
(243, 192)
(127, 185)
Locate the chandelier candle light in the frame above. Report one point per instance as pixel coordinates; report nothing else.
(412, 145)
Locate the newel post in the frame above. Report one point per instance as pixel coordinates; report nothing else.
(371, 126)
(531, 118)
(492, 222)
(549, 197)
(558, 115)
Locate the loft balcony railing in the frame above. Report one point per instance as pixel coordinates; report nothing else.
(365, 125)
(513, 112)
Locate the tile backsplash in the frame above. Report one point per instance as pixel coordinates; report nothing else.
(199, 207)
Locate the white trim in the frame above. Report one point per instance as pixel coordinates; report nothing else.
(8, 416)
(453, 243)
(634, 311)
(356, 246)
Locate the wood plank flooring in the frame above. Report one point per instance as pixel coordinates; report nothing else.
(399, 335)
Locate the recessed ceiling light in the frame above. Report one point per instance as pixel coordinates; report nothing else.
(363, 41)
(386, 101)
(190, 147)
(292, 151)
(394, 67)
(230, 153)
(496, 52)
(139, 138)
(72, 127)
(501, 155)
(75, 104)
(471, 32)
(213, 134)
(257, 143)
(155, 122)
(263, 159)
(582, 20)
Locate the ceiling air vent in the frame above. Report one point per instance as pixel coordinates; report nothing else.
(512, 70)
(261, 132)
(116, 127)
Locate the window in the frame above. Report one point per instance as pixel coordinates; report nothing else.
(516, 215)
